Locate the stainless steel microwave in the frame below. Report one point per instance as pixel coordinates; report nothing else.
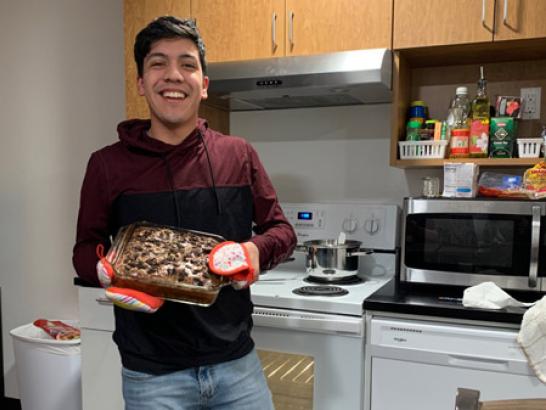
(465, 242)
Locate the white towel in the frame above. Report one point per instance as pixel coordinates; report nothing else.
(488, 295)
(532, 333)
(532, 338)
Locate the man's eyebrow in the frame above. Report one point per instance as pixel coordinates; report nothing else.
(157, 54)
(187, 55)
(163, 55)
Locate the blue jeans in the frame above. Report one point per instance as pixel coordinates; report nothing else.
(238, 384)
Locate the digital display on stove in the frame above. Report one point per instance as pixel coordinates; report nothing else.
(305, 216)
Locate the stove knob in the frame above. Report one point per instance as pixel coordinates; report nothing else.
(349, 225)
(371, 226)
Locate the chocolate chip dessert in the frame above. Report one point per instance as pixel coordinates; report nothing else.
(166, 262)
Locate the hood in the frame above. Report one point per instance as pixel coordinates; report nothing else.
(134, 134)
(341, 78)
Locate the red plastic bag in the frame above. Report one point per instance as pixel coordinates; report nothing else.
(58, 330)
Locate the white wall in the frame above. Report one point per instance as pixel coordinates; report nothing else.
(330, 153)
(61, 96)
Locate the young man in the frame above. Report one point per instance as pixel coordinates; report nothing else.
(174, 170)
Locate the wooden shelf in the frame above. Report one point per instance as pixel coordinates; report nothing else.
(482, 162)
(432, 74)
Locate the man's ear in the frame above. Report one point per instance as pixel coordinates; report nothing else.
(140, 86)
(204, 92)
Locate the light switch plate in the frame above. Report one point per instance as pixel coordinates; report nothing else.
(531, 103)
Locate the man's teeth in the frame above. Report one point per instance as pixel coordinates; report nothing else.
(174, 94)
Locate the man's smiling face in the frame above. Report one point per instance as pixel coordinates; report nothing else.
(173, 83)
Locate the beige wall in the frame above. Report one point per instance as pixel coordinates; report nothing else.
(332, 153)
(61, 96)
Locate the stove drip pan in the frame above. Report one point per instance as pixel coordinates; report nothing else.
(320, 291)
(345, 280)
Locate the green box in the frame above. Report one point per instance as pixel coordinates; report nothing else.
(502, 134)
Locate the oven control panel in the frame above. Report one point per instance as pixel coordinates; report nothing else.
(375, 225)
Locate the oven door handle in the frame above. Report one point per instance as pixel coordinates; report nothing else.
(311, 322)
(535, 243)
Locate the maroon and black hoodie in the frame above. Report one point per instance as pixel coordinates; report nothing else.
(210, 182)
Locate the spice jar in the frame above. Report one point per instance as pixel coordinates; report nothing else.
(431, 187)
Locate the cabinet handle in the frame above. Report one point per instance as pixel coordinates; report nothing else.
(483, 17)
(505, 13)
(104, 301)
(535, 238)
(291, 30)
(274, 31)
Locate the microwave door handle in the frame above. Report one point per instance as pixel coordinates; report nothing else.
(535, 239)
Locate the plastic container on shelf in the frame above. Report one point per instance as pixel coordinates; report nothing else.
(529, 147)
(459, 109)
(48, 370)
(423, 149)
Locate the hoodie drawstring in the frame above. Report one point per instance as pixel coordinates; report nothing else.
(171, 186)
(216, 197)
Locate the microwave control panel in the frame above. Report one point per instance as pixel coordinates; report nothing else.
(375, 225)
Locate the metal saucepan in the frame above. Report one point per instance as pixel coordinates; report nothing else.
(330, 260)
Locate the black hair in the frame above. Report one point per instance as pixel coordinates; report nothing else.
(167, 27)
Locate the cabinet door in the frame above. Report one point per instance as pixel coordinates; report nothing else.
(101, 371)
(240, 29)
(137, 14)
(520, 19)
(419, 23)
(321, 26)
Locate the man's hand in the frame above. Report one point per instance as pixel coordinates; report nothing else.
(125, 298)
(241, 262)
(254, 256)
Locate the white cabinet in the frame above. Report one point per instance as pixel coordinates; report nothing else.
(101, 364)
(419, 364)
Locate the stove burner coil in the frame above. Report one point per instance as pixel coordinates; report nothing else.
(345, 280)
(320, 291)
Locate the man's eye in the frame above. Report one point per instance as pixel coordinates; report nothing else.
(156, 64)
(192, 66)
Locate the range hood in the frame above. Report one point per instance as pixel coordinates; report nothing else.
(341, 78)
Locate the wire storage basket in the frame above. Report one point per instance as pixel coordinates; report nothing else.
(423, 149)
(529, 147)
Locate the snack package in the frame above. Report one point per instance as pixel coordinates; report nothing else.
(508, 106)
(534, 181)
(57, 329)
(166, 262)
(497, 185)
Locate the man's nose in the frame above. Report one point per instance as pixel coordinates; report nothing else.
(172, 73)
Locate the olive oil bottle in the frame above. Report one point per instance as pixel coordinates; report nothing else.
(479, 127)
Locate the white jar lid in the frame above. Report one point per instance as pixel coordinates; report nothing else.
(461, 90)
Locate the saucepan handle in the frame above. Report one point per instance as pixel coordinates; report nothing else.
(361, 252)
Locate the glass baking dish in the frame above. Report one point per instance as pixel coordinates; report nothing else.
(166, 262)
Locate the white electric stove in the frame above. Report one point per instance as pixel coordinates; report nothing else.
(314, 344)
(276, 288)
(375, 225)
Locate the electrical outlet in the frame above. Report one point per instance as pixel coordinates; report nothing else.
(531, 103)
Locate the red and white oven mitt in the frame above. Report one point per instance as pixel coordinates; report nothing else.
(123, 297)
(232, 259)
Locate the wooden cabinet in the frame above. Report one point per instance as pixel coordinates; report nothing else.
(420, 23)
(520, 19)
(251, 29)
(241, 29)
(321, 26)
